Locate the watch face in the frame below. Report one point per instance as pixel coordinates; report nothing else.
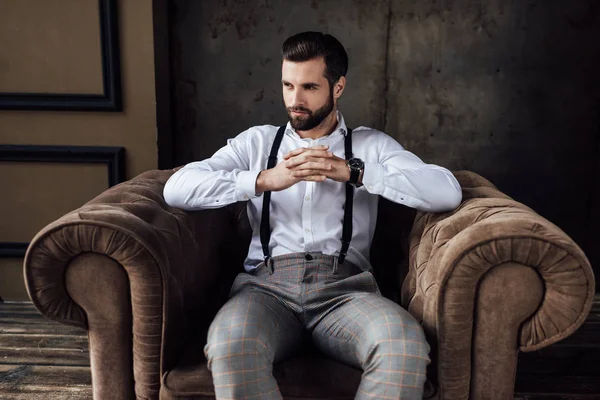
(355, 163)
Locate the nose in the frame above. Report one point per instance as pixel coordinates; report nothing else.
(297, 98)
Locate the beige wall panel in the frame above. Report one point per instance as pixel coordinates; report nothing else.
(35, 194)
(12, 283)
(50, 46)
(134, 128)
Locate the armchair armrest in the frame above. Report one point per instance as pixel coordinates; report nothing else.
(451, 253)
(158, 248)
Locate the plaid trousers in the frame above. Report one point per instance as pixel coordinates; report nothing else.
(270, 312)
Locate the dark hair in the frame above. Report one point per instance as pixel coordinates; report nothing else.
(310, 45)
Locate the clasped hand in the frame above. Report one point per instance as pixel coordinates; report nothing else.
(304, 164)
(316, 164)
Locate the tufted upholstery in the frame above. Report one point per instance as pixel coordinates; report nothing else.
(170, 272)
(450, 253)
(174, 269)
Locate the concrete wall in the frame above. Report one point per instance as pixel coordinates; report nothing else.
(507, 89)
(53, 46)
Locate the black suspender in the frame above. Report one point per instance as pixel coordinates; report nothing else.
(347, 229)
(265, 225)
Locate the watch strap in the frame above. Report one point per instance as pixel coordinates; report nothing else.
(354, 174)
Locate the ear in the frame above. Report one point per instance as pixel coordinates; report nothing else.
(338, 87)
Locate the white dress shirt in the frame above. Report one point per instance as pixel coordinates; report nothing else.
(308, 216)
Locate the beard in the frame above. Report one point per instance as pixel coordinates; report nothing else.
(312, 119)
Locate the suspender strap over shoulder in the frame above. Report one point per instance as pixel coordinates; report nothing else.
(265, 225)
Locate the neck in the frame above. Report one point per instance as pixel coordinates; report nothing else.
(323, 129)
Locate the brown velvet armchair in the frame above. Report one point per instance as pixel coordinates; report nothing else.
(486, 280)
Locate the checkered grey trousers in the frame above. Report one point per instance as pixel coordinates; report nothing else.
(270, 312)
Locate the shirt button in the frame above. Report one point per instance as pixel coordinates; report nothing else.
(370, 187)
(307, 230)
(307, 198)
(308, 257)
(246, 197)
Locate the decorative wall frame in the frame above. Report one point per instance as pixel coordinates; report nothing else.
(113, 157)
(109, 100)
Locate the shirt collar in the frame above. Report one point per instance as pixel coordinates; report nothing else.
(339, 129)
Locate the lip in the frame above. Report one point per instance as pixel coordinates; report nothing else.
(299, 112)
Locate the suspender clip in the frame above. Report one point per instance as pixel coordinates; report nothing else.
(270, 264)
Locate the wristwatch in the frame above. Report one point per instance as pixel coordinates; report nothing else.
(356, 165)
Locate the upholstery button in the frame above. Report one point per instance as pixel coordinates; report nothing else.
(308, 257)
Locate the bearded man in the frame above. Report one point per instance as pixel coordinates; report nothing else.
(312, 190)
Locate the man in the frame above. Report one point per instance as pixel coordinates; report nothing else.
(313, 217)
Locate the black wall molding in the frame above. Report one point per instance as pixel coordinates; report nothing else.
(113, 157)
(110, 100)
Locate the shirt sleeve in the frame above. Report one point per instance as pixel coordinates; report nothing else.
(215, 182)
(402, 177)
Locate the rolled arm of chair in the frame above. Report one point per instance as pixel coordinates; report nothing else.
(451, 253)
(156, 245)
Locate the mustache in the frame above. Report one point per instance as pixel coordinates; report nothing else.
(299, 109)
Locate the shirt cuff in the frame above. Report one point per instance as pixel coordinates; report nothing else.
(373, 178)
(245, 185)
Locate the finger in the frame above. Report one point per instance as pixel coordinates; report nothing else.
(314, 178)
(303, 149)
(314, 165)
(305, 157)
(295, 161)
(318, 153)
(305, 173)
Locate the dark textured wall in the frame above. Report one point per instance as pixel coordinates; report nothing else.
(508, 89)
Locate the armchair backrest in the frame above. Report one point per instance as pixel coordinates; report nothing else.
(390, 247)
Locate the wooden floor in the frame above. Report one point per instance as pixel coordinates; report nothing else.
(45, 360)
(569, 369)
(40, 358)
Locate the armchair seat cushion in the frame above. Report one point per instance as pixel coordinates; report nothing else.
(309, 375)
(306, 376)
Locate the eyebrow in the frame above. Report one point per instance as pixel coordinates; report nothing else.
(307, 84)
